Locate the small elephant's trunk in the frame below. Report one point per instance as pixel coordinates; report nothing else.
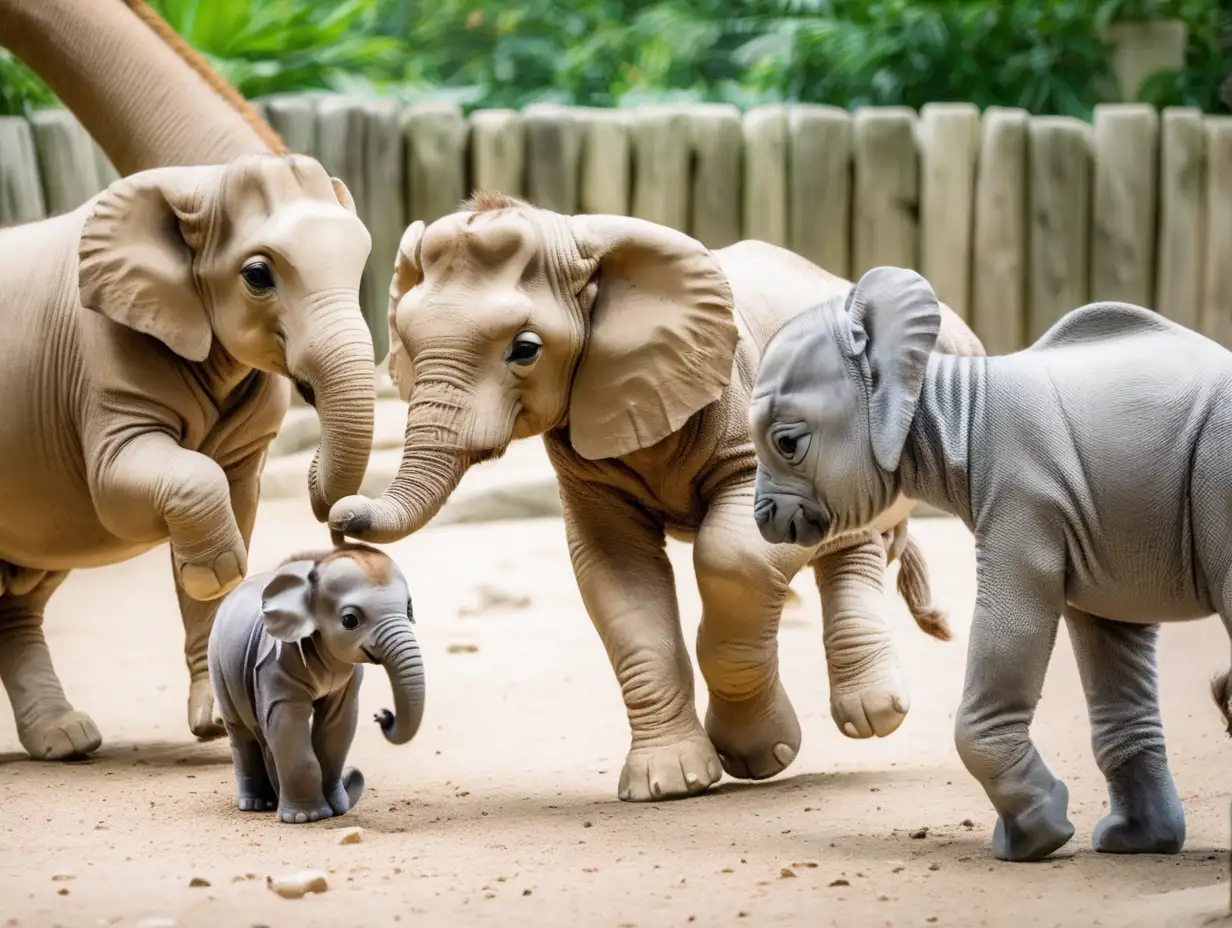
(914, 588)
(398, 651)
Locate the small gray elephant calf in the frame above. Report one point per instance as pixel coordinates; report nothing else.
(291, 712)
(1094, 469)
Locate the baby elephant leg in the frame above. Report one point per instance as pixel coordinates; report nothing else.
(253, 789)
(47, 725)
(334, 722)
(1116, 661)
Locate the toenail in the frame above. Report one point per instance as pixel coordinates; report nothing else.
(850, 729)
(691, 778)
(784, 754)
(899, 704)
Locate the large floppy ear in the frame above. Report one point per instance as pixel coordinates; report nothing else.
(407, 274)
(286, 602)
(135, 256)
(894, 318)
(661, 335)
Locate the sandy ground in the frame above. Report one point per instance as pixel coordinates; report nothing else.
(503, 810)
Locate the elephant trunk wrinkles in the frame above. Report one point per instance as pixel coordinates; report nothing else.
(398, 651)
(338, 366)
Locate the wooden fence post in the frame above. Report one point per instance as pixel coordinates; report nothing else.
(498, 152)
(21, 190)
(385, 212)
(1059, 236)
(661, 159)
(435, 135)
(999, 237)
(766, 142)
(104, 170)
(66, 160)
(1126, 137)
(949, 139)
(553, 153)
(1217, 278)
(607, 161)
(887, 189)
(294, 118)
(1182, 176)
(820, 184)
(716, 137)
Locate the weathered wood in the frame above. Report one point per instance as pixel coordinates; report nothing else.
(661, 159)
(887, 189)
(607, 161)
(66, 160)
(21, 190)
(435, 159)
(765, 174)
(1182, 169)
(1217, 276)
(1126, 152)
(949, 140)
(819, 185)
(999, 237)
(716, 136)
(105, 171)
(340, 143)
(498, 152)
(553, 153)
(1058, 241)
(384, 212)
(294, 118)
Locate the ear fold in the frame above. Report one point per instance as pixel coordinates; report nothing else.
(661, 336)
(894, 319)
(135, 256)
(344, 196)
(407, 274)
(286, 602)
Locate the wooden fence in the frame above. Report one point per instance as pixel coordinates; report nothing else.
(1014, 219)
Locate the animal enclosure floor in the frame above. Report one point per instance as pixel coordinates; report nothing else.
(503, 810)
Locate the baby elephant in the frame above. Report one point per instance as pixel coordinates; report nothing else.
(291, 712)
(1094, 469)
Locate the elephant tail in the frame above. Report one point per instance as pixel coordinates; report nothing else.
(914, 588)
(1221, 691)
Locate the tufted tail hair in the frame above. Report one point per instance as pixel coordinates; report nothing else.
(914, 588)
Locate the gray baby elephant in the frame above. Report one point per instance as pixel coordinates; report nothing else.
(284, 657)
(1094, 469)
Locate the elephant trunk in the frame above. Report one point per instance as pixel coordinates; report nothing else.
(336, 374)
(398, 651)
(433, 462)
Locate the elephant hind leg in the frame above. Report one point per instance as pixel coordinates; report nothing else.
(254, 791)
(47, 725)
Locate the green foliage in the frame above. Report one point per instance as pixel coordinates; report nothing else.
(21, 90)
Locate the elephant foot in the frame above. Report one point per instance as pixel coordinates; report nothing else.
(210, 581)
(1036, 833)
(204, 720)
(345, 793)
(297, 813)
(256, 804)
(1145, 813)
(669, 771)
(65, 736)
(755, 738)
(863, 707)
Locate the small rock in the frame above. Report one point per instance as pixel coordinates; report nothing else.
(967, 823)
(526, 892)
(462, 648)
(934, 866)
(198, 881)
(787, 874)
(352, 836)
(63, 891)
(804, 863)
(883, 898)
(63, 876)
(919, 833)
(840, 882)
(296, 885)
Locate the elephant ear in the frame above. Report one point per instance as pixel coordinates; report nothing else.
(286, 602)
(894, 319)
(407, 274)
(136, 251)
(661, 336)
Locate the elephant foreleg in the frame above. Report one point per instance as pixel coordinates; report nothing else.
(47, 725)
(624, 576)
(335, 719)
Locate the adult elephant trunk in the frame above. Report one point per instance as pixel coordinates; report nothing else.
(398, 651)
(433, 462)
(335, 373)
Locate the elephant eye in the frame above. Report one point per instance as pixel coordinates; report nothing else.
(524, 350)
(791, 446)
(350, 620)
(258, 276)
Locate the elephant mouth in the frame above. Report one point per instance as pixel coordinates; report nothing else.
(306, 393)
(368, 654)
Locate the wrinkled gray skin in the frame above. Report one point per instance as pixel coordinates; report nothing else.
(286, 672)
(1093, 469)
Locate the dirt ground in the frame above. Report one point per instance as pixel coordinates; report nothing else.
(503, 810)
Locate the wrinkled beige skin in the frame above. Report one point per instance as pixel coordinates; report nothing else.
(140, 362)
(150, 101)
(650, 344)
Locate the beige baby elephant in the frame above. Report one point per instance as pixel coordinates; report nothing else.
(143, 335)
(632, 349)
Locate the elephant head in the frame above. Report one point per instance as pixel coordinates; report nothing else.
(508, 321)
(251, 264)
(353, 602)
(833, 403)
